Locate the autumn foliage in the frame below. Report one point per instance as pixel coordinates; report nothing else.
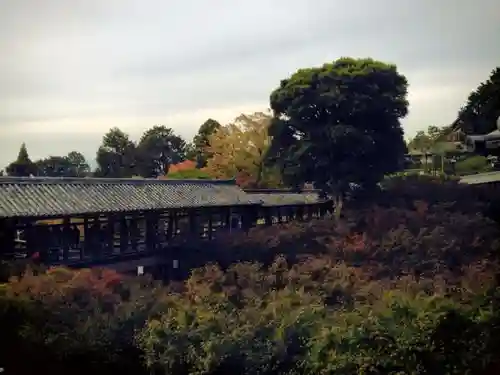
(402, 288)
(238, 150)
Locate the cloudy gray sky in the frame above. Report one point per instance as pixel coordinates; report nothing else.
(71, 69)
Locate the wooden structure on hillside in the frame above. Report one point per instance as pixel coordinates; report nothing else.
(94, 221)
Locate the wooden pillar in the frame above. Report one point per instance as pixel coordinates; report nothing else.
(66, 238)
(85, 247)
(124, 234)
(248, 218)
(110, 235)
(300, 213)
(170, 225)
(150, 232)
(210, 224)
(227, 217)
(29, 237)
(268, 217)
(134, 232)
(193, 222)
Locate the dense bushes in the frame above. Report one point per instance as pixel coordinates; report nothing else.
(407, 288)
(473, 164)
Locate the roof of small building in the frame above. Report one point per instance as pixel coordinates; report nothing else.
(49, 197)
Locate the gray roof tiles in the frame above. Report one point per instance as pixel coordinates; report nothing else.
(43, 197)
(286, 198)
(50, 197)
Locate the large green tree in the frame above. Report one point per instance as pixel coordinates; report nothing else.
(158, 148)
(116, 157)
(339, 124)
(482, 109)
(201, 142)
(80, 166)
(22, 166)
(71, 165)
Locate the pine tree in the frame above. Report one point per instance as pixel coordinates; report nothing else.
(22, 166)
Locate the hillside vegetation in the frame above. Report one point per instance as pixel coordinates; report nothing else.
(404, 284)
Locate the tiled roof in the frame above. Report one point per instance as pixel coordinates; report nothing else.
(284, 198)
(42, 197)
(481, 178)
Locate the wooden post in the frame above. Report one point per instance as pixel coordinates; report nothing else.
(134, 232)
(85, 247)
(268, 216)
(170, 226)
(124, 234)
(110, 238)
(149, 240)
(66, 238)
(29, 237)
(210, 225)
(227, 218)
(193, 222)
(300, 213)
(175, 223)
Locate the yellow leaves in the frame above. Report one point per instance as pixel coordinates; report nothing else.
(239, 148)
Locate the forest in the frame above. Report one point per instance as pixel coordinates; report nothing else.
(241, 149)
(402, 279)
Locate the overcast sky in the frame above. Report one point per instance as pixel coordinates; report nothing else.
(71, 69)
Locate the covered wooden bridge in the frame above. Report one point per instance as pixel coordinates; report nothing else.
(90, 221)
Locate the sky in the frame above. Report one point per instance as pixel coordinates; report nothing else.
(72, 69)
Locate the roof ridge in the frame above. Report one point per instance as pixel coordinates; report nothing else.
(112, 181)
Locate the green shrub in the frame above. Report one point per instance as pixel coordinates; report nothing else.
(407, 334)
(76, 315)
(473, 164)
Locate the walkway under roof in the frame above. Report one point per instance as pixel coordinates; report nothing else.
(41, 197)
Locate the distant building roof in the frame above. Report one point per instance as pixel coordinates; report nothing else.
(44, 197)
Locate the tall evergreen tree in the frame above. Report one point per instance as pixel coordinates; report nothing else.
(22, 166)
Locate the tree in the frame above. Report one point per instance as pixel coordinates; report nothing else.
(425, 141)
(116, 156)
(22, 166)
(53, 166)
(482, 109)
(158, 148)
(429, 142)
(72, 165)
(201, 141)
(339, 124)
(79, 164)
(239, 150)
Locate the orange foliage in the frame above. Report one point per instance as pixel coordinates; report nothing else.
(182, 166)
